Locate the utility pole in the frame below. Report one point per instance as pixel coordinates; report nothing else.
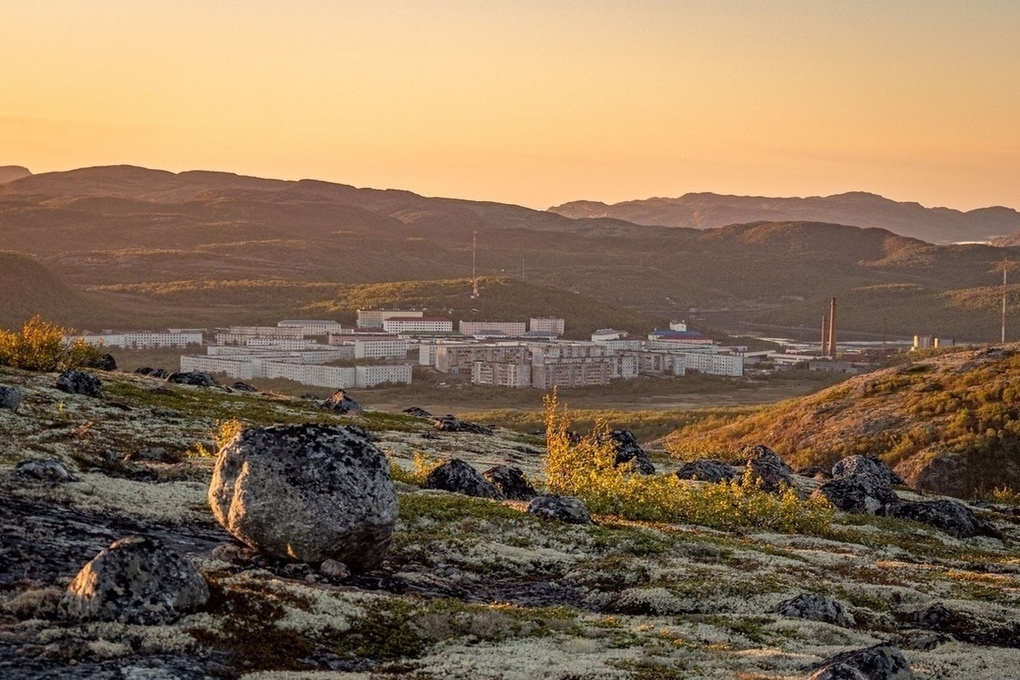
(1005, 266)
(474, 269)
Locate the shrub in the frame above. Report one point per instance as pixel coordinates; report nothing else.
(585, 467)
(421, 464)
(40, 346)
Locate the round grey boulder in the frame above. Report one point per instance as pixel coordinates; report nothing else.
(307, 493)
(880, 662)
(79, 382)
(860, 485)
(768, 468)
(10, 397)
(135, 580)
(706, 471)
(563, 508)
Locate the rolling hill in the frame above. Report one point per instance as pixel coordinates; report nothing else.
(708, 210)
(247, 247)
(948, 422)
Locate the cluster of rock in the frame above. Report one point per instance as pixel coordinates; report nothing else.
(80, 382)
(341, 402)
(628, 450)
(450, 423)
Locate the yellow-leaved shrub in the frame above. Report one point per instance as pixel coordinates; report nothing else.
(40, 346)
(585, 467)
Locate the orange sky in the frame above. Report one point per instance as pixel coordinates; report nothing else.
(527, 102)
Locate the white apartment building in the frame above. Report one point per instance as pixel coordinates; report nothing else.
(141, 340)
(501, 374)
(373, 318)
(427, 355)
(370, 376)
(459, 358)
(546, 324)
(715, 364)
(311, 326)
(565, 350)
(380, 348)
(571, 372)
(511, 329)
(417, 324)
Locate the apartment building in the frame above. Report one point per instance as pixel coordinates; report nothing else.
(312, 326)
(571, 372)
(370, 376)
(501, 374)
(417, 324)
(380, 348)
(141, 340)
(511, 329)
(373, 318)
(458, 359)
(546, 324)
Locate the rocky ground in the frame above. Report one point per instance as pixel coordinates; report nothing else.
(471, 587)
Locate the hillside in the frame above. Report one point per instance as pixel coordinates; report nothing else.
(861, 209)
(469, 587)
(948, 422)
(30, 288)
(9, 173)
(260, 248)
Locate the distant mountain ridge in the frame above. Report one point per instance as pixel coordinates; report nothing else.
(860, 209)
(10, 173)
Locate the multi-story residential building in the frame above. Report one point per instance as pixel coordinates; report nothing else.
(141, 340)
(571, 372)
(373, 318)
(370, 376)
(546, 324)
(381, 347)
(510, 329)
(418, 324)
(501, 374)
(458, 359)
(312, 326)
(715, 364)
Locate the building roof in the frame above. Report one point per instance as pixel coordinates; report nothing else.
(418, 318)
(669, 334)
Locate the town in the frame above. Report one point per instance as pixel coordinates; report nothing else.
(381, 348)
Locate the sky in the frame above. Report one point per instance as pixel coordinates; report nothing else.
(528, 102)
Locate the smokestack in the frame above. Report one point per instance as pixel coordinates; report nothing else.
(832, 327)
(824, 349)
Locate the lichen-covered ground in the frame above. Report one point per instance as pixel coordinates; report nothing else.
(471, 588)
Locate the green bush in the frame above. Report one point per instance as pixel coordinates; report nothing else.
(40, 346)
(585, 467)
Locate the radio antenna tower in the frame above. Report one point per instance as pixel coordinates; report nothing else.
(474, 260)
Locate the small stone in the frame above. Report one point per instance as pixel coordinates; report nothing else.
(135, 580)
(10, 397)
(80, 382)
(417, 412)
(334, 569)
(196, 378)
(48, 470)
(457, 476)
(563, 508)
(450, 423)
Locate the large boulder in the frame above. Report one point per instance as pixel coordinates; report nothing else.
(341, 402)
(706, 471)
(880, 662)
(942, 472)
(628, 449)
(562, 508)
(952, 517)
(135, 580)
(450, 423)
(10, 397)
(511, 482)
(459, 477)
(306, 492)
(859, 485)
(852, 465)
(764, 465)
(79, 382)
(196, 378)
(814, 608)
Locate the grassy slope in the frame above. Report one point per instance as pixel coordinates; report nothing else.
(963, 404)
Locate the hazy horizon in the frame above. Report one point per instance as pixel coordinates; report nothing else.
(532, 103)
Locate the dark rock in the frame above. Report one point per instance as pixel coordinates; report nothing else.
(144, 370)
(765, 465)
(880, 662)
(334, 570)
(563, 508)
(952, 517)
(308, 396)
(511, 482)
(135, 580)
(196, 378)
(965, 627)
(449, 423)
(103, 363)
(47, 470)
(814, 608)
(457, 476)
(706, 471)
(341, 402)
(853, 465)
(859, 485)
(243, 387)
(417, 412)
(10, 397)
(941, 472)
(160, 373)
(306, 492)
(628, 449)
(79, 382)
(156, 454)
(815, 472)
